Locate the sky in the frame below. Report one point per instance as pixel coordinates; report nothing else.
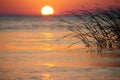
(33, 7)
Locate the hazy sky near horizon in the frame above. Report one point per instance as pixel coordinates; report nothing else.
(33, 7)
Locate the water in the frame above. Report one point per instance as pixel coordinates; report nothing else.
(29, 51)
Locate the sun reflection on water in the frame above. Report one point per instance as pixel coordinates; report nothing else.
(47, 76)
(48, 35)
(50, 65)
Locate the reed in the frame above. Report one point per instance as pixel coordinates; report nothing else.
(99, 28)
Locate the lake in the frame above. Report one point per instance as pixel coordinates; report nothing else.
(31, 50)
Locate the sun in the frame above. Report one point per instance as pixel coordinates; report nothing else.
(47, 10)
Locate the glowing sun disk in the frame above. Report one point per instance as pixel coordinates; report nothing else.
(47, 10)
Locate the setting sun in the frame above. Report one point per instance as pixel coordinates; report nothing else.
(47, 10)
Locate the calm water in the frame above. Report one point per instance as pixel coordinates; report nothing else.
(29, 51)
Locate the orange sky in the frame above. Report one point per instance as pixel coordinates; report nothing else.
(33, 7)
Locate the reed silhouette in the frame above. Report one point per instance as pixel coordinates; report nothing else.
(98, 28)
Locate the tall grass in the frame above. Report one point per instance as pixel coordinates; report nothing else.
(99, 28)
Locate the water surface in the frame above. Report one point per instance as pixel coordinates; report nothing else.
(29, 51)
